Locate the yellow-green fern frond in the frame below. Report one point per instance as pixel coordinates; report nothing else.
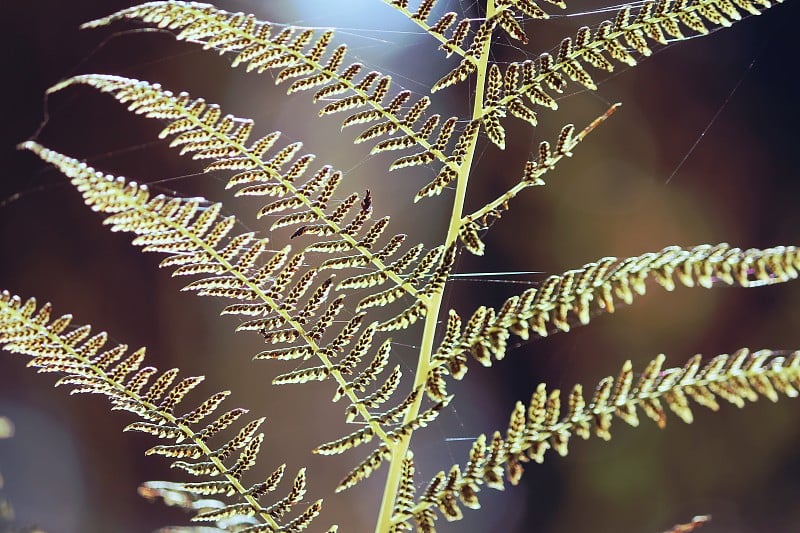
(89, 367)
(614, 41)
(274, 292)
(326, 300)
(405, 493)
(440, 28)
(192, 235)
(449, 172)
(201, 129)
(550, 420)
(369, 374)
(504, 14)
(531, 177)
(563, 300)
(297, 53)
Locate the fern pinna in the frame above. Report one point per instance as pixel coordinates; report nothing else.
(329, 300)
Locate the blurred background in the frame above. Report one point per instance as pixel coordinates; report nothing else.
(703, 150)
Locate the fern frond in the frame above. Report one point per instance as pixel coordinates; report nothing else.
(564, 299)
(384, 451)
(469, 64)
(615, 40)
(379, 396)
(349, 441)
(447, 358)
(549, 422)
(531, 177)
(371, 372)
(315, 302)
(154, 102)
(372, 279)
(226, 138)
(433, 287)
(158, 215)
(90, 371)
(503, 14)
(365, 468)
(449, 172)
(292, 53)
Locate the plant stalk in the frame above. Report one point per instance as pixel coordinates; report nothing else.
(400, 449)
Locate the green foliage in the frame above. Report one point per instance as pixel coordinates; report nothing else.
(329, 298)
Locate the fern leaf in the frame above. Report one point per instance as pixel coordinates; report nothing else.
(379, 396)
(205, 409)
(406, 490)
(155, 102)
(369, 374)
(532, 177)
(448, 173)
(374, 459)
(206, 488)
(317, 373)
(365, 468)
(405, 318)
(618, 38)
(281, 298)
(564, 300)
(281, 295)
(156, 430)
(227, 512)
(178, 392)
(189, 449)
(399, 411)
(256, 46)
(247, 459)
(341, 445)
(268, 485)
(737, 378)
(242, 438)
(302, 521)
(221, 423)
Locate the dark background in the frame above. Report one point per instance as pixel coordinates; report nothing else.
(70, 468)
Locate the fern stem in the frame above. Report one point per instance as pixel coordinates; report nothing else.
(400, 449)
